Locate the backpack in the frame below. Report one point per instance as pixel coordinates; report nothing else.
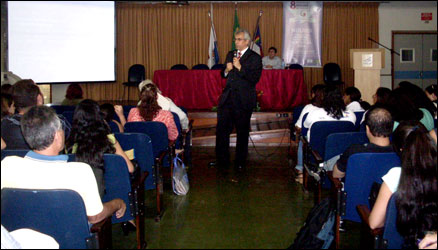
(318, 230)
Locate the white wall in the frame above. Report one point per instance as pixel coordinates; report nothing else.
(402, 16)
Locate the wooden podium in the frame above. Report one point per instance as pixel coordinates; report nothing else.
(367, 64)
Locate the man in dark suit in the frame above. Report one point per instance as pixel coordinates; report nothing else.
(238, 99)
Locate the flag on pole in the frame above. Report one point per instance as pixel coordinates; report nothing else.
(213, 54)
(257, 42)
(235, 28)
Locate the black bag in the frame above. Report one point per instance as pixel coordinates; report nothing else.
(318, 230)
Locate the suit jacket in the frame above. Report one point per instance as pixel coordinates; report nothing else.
(241, 84)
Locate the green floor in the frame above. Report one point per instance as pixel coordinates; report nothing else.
(263, 208)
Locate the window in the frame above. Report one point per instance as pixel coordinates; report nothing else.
(407, 55)
(433, 55)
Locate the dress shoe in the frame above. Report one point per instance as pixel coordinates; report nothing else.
(127, 227)
(240, 168)
(212, 164)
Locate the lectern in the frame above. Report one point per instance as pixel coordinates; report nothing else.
(367, 64)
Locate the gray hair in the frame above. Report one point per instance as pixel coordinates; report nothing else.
(245, 32)
(39, 126)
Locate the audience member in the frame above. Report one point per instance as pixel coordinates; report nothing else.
(73, 96)
(271, 61)
(43, 168)
(149, 110)
(91, 138)
(432, 94)
(419, 97)
(167, 104)
(6, 88)
(352, 99)
(3, 144)
(333, 109)
(429, 241)
(379, 100)
(403, 108)
(379, 126)
(108, 110)
(8, 107)
(25, 95)
(415, 182)
(317, 95)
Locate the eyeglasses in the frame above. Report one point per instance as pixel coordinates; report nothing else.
(239, 39)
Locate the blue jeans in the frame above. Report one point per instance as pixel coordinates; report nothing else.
(299, 165)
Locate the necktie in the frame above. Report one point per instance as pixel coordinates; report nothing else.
(238, 55)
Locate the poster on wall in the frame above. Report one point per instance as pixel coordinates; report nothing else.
(302, 33)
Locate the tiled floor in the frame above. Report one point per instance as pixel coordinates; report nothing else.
(262, 208)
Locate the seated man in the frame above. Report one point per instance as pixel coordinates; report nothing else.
(25, 94)
(379, 125)
(43, 168)
(272, 61)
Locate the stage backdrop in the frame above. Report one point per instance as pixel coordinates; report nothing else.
(159, 36)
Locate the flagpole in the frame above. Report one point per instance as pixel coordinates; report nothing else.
(255, 30)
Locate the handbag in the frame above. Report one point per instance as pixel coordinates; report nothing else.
(180, 180)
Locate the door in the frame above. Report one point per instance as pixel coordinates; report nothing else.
(417, 62)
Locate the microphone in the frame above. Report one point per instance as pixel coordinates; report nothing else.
(235, 53)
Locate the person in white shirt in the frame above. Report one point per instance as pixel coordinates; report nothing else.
(271, 61)
(317, 95)
(415, 182)
(167, 104)
(351, 98)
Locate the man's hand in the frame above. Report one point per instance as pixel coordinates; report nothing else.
(229, 67)
(118, 109)
(268, 66)
(121, 211)
(236, 63)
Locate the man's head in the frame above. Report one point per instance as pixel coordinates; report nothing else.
(379, 122)
(26, 94)
(242, 39)
(42, 129)
(272, 52)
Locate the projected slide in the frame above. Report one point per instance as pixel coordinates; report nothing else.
(62, 42)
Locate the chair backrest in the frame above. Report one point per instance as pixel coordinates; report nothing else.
(359, 115)
(179, 67)
(157, 131)
(362, 170)
(17, 152)
(321, 129)
(143, 154)
(218, 66)
(179, 142)
(114, 127)
(117, 183)
(332, 73)
(59, 213)
(296, 112)
(59, 109)
(391, 237)
(295, 66)
(304, 129)
(136, 73)
(200, 66)
(337, 143)
(69, 116)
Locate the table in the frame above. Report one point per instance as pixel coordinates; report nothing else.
(200, 89)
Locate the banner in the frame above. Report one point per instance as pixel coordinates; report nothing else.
(302, 33)
(256, 44)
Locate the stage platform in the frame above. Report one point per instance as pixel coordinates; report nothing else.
(269, 129)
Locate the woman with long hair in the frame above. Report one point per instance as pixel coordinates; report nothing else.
(415, 182)
(90, 138)
(149, 110)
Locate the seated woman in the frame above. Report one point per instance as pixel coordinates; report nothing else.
(149, 110)
(8, 107)
(90, 138)
(73, 96)
(415, 181)
(108, 110)
(352, 99)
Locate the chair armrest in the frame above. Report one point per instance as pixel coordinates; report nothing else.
(317, 157)
(336, 181)
(139, 179)
(364, 213)
(103, 232)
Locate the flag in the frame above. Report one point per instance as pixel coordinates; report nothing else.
(213, 54)
(235, 28)
(257, 42)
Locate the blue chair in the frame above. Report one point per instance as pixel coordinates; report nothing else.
(69, 116)
(59, 213)
(179, 140)
(391, 237)
(114, 127)
(201, 66)
(179, 67)
(359, 116)
(17, 152)
(296, 112)
(296, 66)
(218, 66)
